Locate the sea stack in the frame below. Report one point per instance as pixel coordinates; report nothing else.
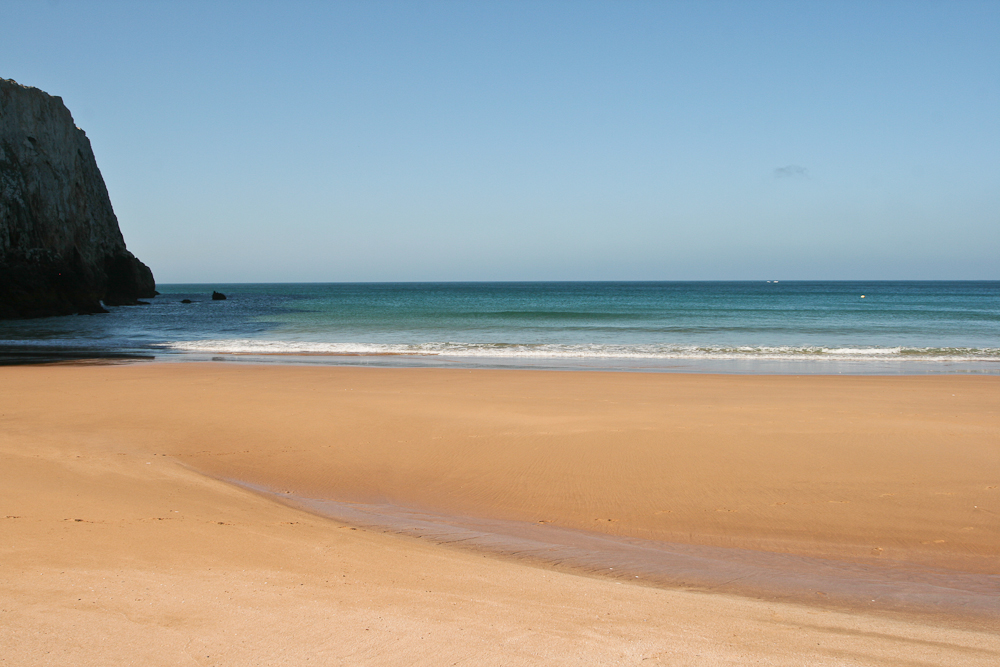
(61, 250)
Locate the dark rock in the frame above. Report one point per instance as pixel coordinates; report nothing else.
(185, 300)
(218, 296)
(61, 251)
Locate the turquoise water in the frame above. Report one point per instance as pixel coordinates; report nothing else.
(864, 327)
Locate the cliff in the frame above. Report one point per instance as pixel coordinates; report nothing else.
(61, 250)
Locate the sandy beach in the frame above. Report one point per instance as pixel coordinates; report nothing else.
(127, 537)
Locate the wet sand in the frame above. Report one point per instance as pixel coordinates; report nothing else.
(121, 540)
(904, 588)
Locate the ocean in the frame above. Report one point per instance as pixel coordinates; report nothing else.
(907, 327)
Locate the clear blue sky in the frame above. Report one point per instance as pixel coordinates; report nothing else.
(359, 141)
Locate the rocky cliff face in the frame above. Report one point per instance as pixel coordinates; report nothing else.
(61, 251)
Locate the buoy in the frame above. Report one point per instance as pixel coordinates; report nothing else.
(862, 296)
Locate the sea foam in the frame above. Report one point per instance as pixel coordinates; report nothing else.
(567, 351)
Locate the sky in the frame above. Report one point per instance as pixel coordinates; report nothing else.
(413, 141)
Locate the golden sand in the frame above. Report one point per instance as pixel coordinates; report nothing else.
(115, 547)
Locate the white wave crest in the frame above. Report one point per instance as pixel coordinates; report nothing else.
(862, 351)
(592, 351)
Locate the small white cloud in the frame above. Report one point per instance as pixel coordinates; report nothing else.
(791, 171)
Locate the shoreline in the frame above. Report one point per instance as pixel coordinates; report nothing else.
(706, 366)
(853, 471)
(31, 355)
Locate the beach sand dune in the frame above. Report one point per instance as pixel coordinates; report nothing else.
(120, 541)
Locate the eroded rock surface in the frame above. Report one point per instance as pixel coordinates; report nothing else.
(61, 250)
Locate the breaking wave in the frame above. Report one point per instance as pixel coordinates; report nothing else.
(582, 351)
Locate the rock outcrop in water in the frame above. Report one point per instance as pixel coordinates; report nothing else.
(61, 250)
